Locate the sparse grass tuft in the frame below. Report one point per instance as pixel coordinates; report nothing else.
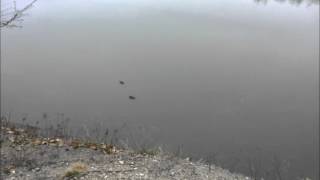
(75, 169)
(71, 174)
(150, 152)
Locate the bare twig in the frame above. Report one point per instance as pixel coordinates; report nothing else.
(17, 15)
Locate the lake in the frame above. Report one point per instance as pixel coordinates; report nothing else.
(236, 81)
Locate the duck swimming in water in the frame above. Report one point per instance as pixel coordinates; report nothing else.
(132, 97)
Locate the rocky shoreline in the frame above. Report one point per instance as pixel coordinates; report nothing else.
(24, 155)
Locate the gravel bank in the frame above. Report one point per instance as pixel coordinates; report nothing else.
(28, 157)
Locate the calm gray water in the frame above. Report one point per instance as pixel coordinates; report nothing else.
(212, 76)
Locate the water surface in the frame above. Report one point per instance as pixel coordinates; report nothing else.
(211, 76)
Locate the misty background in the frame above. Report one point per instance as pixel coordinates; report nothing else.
(229, 78)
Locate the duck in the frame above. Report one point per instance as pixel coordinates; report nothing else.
(132, 97)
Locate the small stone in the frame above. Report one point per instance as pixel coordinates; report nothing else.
(93, 147)
(140, 174)
(18, 148)
(121, 162)
(36, 169)
(36, 142)
(11, 139)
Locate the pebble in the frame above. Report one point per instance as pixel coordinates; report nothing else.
(140, 174)
(36, 169)
(11, 139)
(18, 148)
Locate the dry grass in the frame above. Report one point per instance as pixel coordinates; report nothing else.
(75, 169)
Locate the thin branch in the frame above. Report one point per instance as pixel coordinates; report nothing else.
(17, 15)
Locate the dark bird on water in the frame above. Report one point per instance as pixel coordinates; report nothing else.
(121, 82)
(132, 97)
